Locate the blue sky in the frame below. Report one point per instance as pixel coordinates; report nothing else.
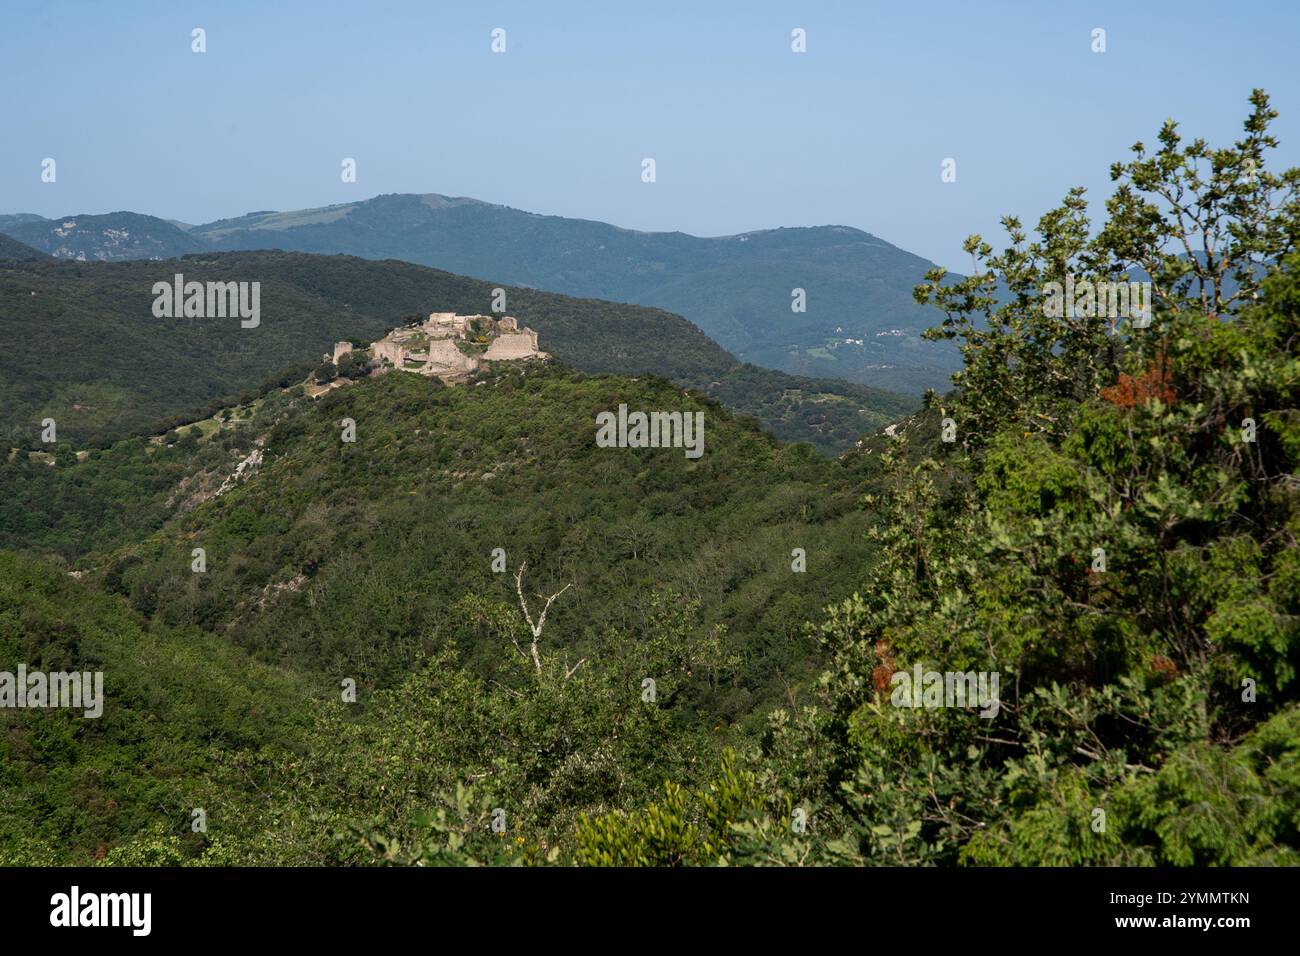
(745, 133)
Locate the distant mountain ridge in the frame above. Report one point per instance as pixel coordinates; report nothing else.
(13, 249)
(110, 237)
(860, 323)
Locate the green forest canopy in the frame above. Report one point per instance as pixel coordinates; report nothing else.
(1148, 706)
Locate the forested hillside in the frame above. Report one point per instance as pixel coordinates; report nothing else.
(13, 249)
(372, 561)
(1098, 527)
(79, 344)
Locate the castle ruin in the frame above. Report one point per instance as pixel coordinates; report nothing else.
(512, 345)
(449, 346)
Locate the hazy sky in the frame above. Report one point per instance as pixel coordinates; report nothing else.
(745, 133)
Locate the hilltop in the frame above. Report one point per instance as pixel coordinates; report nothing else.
(447, 346)
(436, 478)
(80, 343)
(103, 238)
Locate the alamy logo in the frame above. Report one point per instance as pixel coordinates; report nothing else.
(1088, 299)
(76, 690)
(652, 430)
(103, 909)
(949, 689)
(208, 300)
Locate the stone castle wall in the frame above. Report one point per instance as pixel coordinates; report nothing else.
(392, 351)
(512, 345)
(444, 359)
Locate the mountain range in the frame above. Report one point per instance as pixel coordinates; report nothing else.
(859, 321)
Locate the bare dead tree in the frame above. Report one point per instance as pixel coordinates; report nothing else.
(541, 620)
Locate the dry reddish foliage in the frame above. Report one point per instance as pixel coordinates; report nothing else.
(1164, 666)
(885, 669)
(1154, 383)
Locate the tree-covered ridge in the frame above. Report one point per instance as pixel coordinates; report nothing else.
(359, 556)
(860, 323)
(110, 236)
(437, 478)
(79, 344)
(13, 249)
